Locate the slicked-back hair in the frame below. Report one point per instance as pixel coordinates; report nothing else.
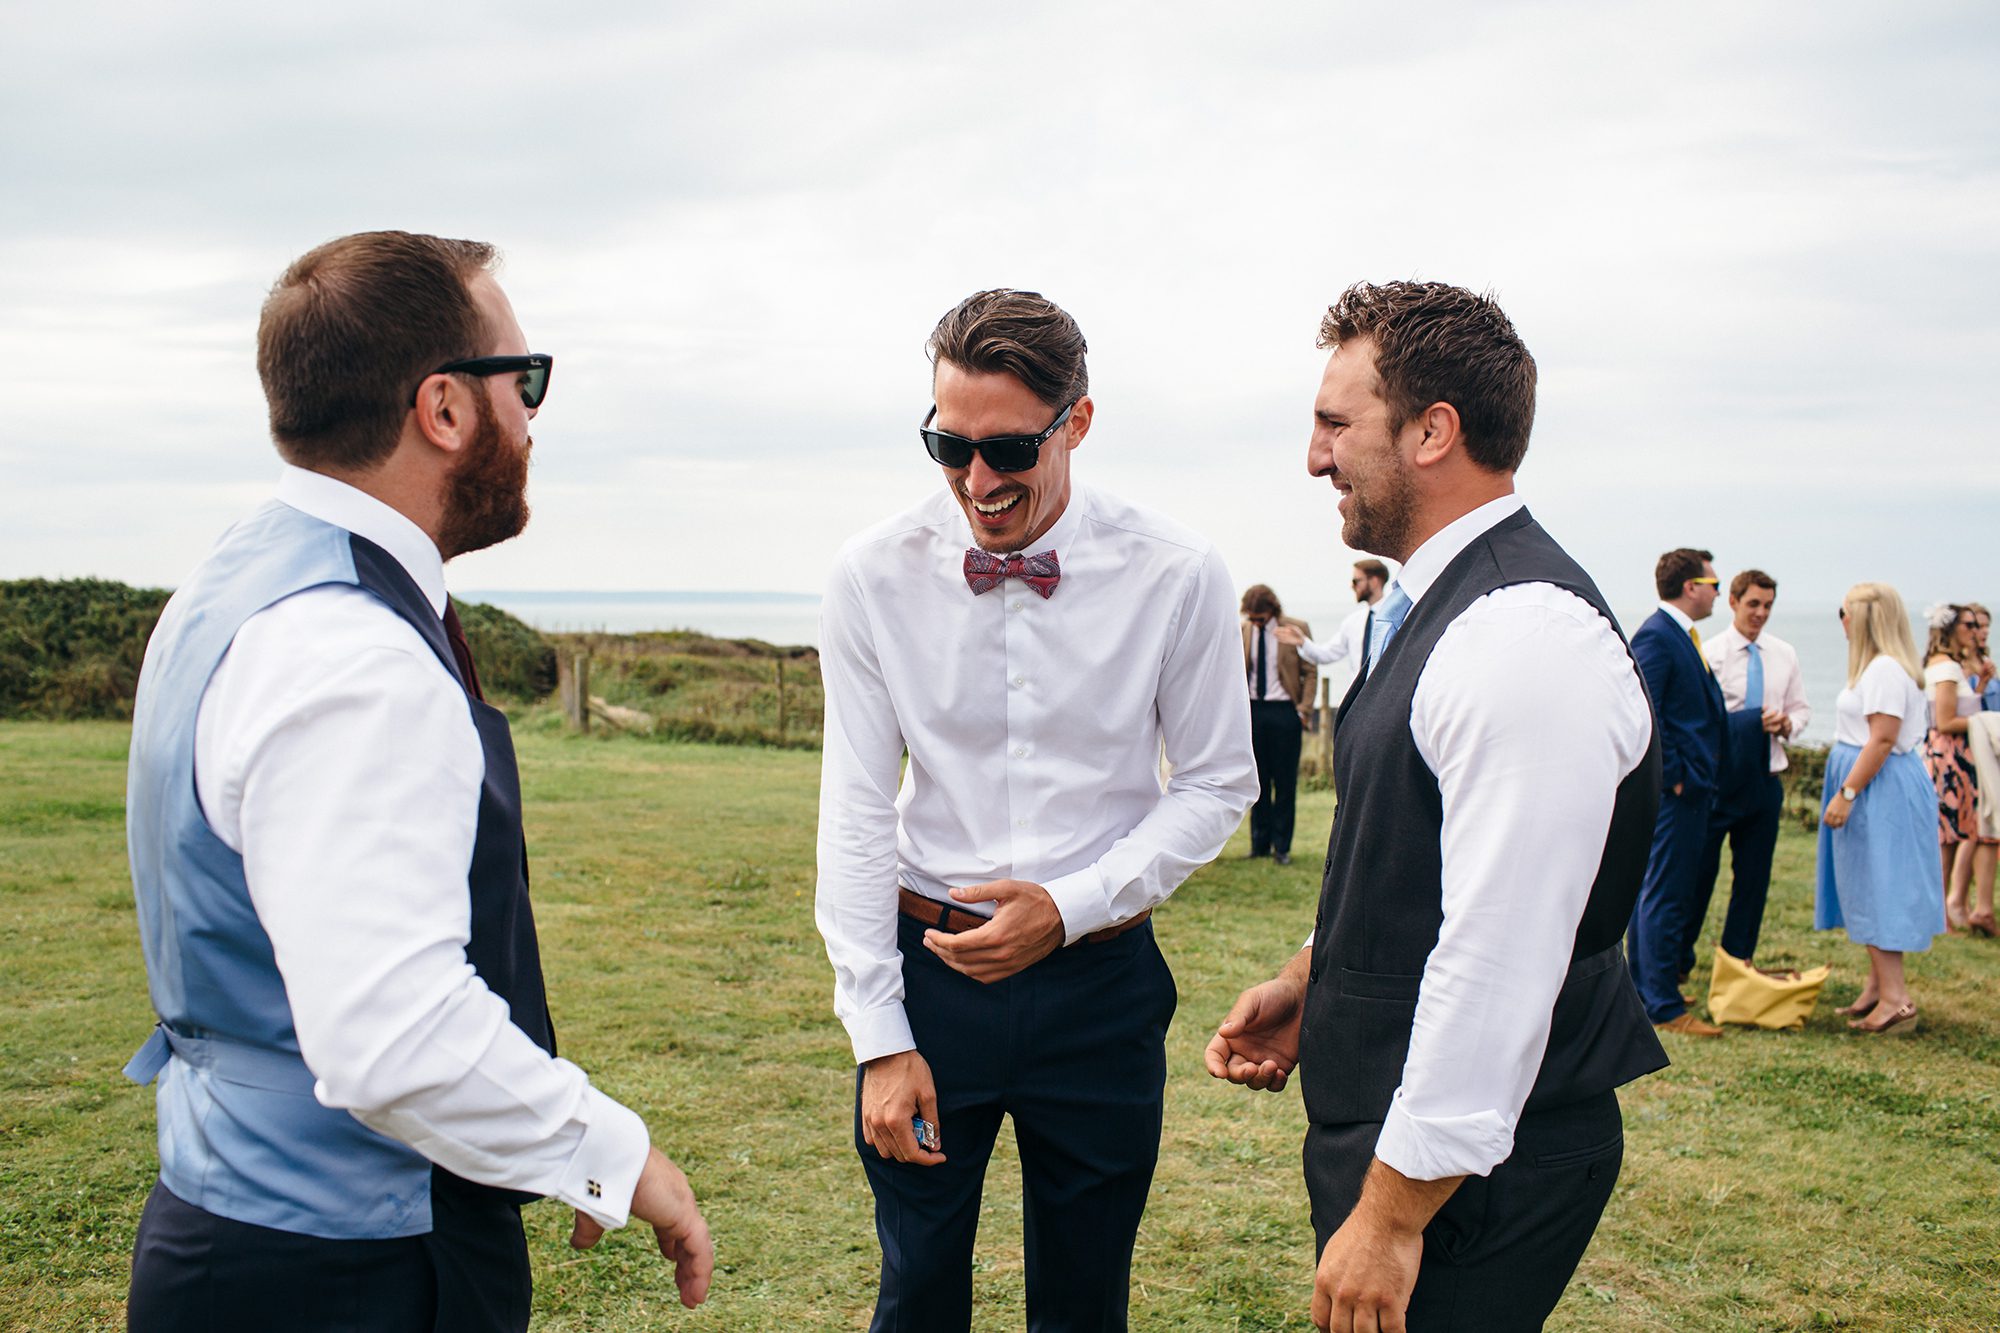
(1752, 578)
(1675, 568)
(350, 329)
(1259, 600)
(1023, 334)
(1435, 343)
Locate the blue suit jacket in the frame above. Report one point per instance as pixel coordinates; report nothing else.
(1694, 723)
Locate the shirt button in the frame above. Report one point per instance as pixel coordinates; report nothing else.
(1020, 823)
(1020, 680)
(1020, 752)
(1015, 606)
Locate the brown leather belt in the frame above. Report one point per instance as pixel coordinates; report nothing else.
(956, 920)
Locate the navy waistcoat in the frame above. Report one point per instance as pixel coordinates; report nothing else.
(1381, 900)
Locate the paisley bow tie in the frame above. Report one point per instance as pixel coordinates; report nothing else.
(984, 571)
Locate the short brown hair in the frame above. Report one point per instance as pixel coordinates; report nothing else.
(351, 328)
(1023, 334)
(1676, 567)
(1435, 343)
(1751, 578)
(1259, 600)
(1372, 569)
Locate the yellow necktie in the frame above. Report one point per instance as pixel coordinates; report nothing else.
(1695, 634)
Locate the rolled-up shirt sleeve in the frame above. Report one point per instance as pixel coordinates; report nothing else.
(341, 761)
(860, 769)
(1204, 716)
(1530, 712)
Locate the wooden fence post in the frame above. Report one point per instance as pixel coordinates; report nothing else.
(573, 687)
(779, 663)
(1323, 739)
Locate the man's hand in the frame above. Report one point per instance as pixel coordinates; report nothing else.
(1258, 1043)
(1369, 1266)
(893, 1089)
(662, 1197)
(1776, 723)
(1365, 1277)
(1026, 928)
(1288, 635)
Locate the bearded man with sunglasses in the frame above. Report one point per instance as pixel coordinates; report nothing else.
(987, 910)
(358, 1086)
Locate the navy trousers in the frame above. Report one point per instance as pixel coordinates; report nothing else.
(195, 1272)
(1749, 819)
(1074, 1049)
(1275, 740)
(1500, 1253)
(1666, 900)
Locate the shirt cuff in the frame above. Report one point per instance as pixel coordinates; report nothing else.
(1437, 1147)
(604, 1169)
(1084, 904)
(881, 1031)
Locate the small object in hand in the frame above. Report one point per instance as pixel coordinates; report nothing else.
(927, 1135)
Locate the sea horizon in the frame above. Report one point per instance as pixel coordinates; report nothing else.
(790, 619)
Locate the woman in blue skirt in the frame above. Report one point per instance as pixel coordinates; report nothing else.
(1878, 863)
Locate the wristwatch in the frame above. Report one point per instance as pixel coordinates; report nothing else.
(1849, 794)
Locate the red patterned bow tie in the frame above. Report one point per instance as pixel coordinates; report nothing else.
(984, 571)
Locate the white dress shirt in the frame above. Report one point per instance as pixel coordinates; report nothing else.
(1346, 642)
(1274, 681)
(1530, 712)
(1728, 655)
(335, 753)
(1034, 729)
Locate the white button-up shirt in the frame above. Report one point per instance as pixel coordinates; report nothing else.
(1034, 728)
(335, 753)
(1728, 655)
(1530, 712)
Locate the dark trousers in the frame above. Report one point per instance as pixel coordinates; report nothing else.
(1666, 900)
(1275, 736)
(1074, 1049)
(1499, 1254)
(1749, 819)
(195, 1272)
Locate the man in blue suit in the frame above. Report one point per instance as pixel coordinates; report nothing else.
(1694, 743)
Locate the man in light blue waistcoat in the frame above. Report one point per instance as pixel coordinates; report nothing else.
(357, 1079)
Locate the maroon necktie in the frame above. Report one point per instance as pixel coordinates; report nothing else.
(461, 650)
(984, 571)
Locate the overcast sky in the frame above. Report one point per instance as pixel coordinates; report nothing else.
(1753, 248)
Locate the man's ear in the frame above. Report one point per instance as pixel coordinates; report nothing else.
(1443, 433)
(445, 413)
(1078, 424)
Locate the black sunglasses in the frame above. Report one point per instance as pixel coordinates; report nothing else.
(1003, 453)
(533, 369)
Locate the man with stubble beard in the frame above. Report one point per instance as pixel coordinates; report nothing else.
(357, 1080)
(987, 909)
(1462, 1012)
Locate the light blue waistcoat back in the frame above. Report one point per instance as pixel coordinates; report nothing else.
(241, 1134)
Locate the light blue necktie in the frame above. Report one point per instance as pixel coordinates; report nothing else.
(1389, 617)
(1753, 686)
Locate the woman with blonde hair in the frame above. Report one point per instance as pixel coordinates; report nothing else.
(1879, 874)
(1951, 672)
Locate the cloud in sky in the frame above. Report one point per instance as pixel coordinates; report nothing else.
(1753, 249)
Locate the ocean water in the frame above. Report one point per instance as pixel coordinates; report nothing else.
(793, 618)
(782, 618)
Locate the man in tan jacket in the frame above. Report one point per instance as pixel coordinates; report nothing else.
(1281, 700)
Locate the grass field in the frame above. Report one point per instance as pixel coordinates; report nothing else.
(1772, 1180)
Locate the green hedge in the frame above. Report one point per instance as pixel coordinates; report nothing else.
(72, 648)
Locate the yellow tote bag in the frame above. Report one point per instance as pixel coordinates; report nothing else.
(1739, 993)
